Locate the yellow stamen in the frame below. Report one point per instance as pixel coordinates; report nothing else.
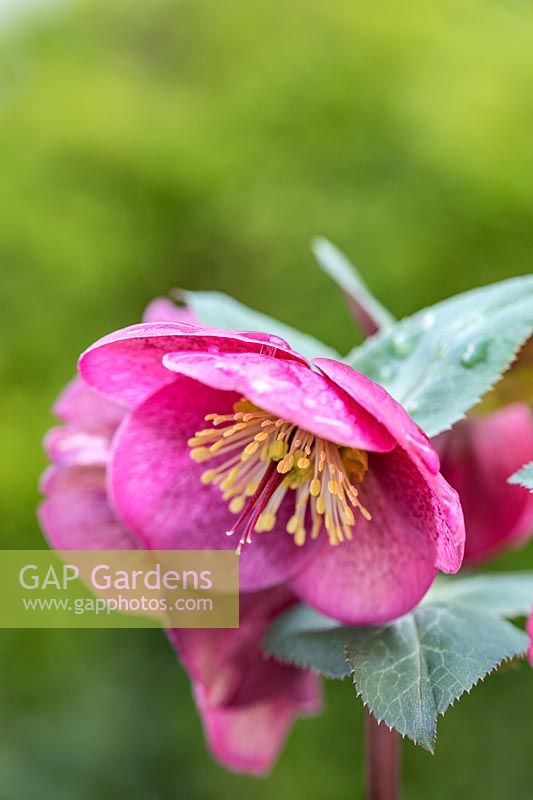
(315, 487)
(261, 458)
(208, 476)
(200, 454)
(251, 448)
(237, 504)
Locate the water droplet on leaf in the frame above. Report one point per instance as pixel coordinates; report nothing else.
(476, 353)
(428, 320)
(403, 344)
(386, 372)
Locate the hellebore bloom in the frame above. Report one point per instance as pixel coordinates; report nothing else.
(247, 702)
(477, 457)
(316, 475)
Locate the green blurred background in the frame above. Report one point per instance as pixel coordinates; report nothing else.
(201, 143)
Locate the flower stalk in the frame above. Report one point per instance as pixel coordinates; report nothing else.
(383, 761)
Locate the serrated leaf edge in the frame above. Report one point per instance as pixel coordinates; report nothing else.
(359, 693)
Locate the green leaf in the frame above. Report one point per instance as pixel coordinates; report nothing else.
(409, 671)
(516, 386)
(524, 477)
(369, 312)
(506, 594)
(427, 661)
(222, 311)
(439, 362)
(305, 638)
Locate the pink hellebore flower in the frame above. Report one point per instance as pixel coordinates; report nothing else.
(477, 457)
(247, 702)
(317, 475)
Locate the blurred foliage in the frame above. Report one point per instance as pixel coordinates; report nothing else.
(201, 143)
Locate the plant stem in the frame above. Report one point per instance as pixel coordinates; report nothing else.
(383, 758)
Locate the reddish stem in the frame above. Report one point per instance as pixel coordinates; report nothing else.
(383, 759)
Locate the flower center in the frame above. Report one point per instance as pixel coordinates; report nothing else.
(266, 457)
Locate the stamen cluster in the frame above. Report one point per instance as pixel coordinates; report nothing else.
(267, 456)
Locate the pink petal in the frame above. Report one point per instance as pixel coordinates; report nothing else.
(448, 524)
(76, 515)
(477, 457)
(162, 309)
(59, 479)
(90, 422)
(70, 446)
(250, 738)
(82, 407)
(229, 664)
(390, 563)
(126, 365)
(247, 702)
(291, 391)
(157, 491)
(379, 403)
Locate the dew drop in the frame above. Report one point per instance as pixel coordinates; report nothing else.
(261, 385)
(428, 320)
(475, 353)
(386, 372)
(403, 344)
(213, 348)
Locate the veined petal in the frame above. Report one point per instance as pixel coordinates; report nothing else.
(448, 523)
(388, 566)
(477, 457)
(126, 365)
(157, 490)
(289, 390)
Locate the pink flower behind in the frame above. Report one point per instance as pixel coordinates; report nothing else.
(247, 702)
(477, 457)
(162, 309)
(76, 513)
(323, 478)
